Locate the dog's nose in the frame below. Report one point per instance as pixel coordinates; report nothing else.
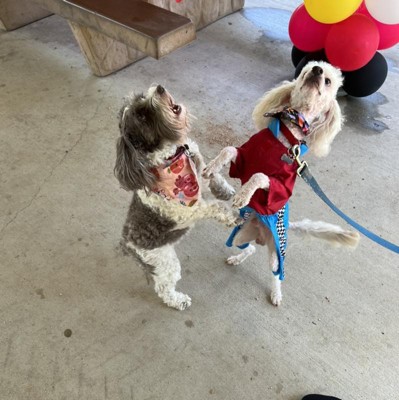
(160, 89)
(317, 70)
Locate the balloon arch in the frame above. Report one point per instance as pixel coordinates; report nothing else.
(347, 34)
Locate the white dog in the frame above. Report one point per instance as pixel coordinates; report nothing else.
(300, 114)
(162, 166)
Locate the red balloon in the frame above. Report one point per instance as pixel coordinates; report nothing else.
(352, 43)
(306, 33)
(389, 34)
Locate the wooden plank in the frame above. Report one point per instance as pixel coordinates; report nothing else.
(201, 12)
(142, 26)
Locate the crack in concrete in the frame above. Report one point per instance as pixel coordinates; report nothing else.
(67, 152)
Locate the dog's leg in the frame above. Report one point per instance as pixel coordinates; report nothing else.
(220, 188)
(217, 184)
(239, 258)
(217, 211)
(257, 181)
(227, 155)
(276, 296)
(166, 273)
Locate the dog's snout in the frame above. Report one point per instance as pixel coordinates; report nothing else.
(317, 70)
(160, 89)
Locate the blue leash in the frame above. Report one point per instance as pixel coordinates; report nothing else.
(305, 174)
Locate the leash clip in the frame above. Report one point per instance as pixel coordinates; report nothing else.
(296, 152)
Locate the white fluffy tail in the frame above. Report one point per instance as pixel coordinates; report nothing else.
(329, 232)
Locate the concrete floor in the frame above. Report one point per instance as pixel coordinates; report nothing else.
(62, 210)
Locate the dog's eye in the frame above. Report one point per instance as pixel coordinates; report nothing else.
(176, 109)
(327, 81)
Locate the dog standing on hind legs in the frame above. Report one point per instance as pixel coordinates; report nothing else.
(162, 166)
(299, 115)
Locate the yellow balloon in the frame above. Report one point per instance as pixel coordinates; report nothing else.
(331, 11)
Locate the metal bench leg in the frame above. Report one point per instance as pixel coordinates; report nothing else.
(17, 13)
(103, 54)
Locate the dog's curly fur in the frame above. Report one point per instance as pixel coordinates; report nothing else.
(313, 94)
(152, 127)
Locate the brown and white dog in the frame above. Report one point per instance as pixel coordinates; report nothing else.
(162, 166)
(313, 97)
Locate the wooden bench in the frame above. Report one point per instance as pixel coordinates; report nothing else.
(115, 33)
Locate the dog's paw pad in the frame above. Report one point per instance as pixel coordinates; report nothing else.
(276, 298)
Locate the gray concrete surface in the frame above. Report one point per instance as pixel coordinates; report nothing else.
(337, 331)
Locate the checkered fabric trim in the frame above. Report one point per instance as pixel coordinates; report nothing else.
(281, 231)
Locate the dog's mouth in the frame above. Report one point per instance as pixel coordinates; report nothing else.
(176, 109)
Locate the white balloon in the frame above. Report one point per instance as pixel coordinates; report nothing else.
(385, 11)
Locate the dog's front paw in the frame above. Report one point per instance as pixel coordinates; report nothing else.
(210, 169)
(181, 301)
(220, 188)
(276, 298)
(241, 199)
(224, 215)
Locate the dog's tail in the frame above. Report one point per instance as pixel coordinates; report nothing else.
(334, 234)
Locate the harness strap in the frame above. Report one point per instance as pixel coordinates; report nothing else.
(288, 135)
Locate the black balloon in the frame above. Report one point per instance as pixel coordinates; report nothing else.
(315, 56)
(297, 55)
(368, 79)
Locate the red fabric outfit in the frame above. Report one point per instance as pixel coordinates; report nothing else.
(263, 153)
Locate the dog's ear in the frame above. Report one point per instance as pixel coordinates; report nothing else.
(272, 101)
(324, 129)
(130, 167)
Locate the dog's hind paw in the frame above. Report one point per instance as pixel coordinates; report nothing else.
(239, 258)
(234, 260)
(276, 298)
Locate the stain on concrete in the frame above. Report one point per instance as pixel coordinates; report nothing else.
(363, 112)
(40, 292)
(279, 388)
(272, 21)
(245, 359)
(189, 323)
(67, 333)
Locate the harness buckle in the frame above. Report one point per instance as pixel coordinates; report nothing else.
(296, 152)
